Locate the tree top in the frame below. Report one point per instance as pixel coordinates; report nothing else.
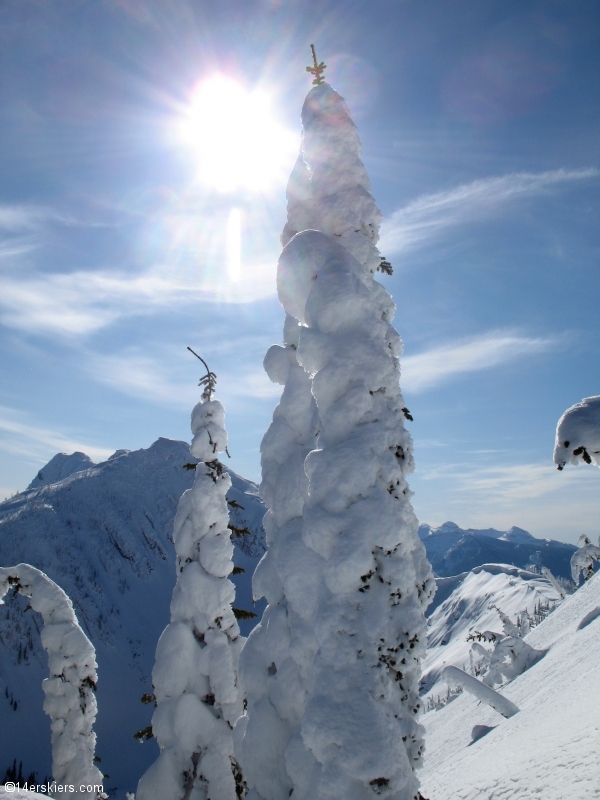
(317, 69)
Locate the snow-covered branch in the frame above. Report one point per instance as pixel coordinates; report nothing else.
(578, 434)
(455, 676)
(70, 701)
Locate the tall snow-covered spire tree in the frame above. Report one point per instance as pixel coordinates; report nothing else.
(195, 674)
(332, 672)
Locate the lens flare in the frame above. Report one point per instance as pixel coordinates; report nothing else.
(237, 141)
(234, 245)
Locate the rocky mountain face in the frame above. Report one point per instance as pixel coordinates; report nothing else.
(103, 532)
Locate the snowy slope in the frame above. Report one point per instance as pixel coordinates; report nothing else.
(467, 608)
(104, 535)
(550, 748)
(452, 550)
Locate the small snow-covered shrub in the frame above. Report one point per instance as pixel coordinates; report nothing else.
(70, 701)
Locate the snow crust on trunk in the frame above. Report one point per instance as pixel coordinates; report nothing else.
(70, 701)
(331, 674)
(578, 434)
(195, 675)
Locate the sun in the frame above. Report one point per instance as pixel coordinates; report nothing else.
(237, 141)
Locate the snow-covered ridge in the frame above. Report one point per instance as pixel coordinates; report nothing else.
(549, 749)
(468, 603)
(104, 535)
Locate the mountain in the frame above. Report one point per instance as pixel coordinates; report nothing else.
(453, 550)
(549, 748)
(103, 532)
(465, 603)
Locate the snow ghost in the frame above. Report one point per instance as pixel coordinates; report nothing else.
(195, 674)
(331, 673)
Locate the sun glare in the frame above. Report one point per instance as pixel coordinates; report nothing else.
(234, 245)
(239, 144)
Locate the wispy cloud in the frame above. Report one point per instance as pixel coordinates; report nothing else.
(429, 215)
(160, 380)
(532, 495)
(517, 481)
(15, 218)
(19, 436)
(80, 303)
(432, 367)
(473, 483)
(182, 254)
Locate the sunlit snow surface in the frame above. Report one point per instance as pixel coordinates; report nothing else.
(550, 748)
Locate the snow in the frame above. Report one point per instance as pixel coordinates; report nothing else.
(70, 702)
(578, 434)
(471, 604)
(549, 749)
(197, 696)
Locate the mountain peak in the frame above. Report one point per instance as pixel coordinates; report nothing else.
(61, 466)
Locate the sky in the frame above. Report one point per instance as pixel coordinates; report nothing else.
(145, 148)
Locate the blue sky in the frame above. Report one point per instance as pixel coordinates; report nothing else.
(479, 124)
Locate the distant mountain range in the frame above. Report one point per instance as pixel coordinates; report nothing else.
(103, 532)
(452, 550)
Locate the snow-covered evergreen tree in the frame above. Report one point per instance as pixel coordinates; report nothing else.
(511, 655)
(70, 701)
(578, 434)
(583, 559)
(332, 672)
(198, 699)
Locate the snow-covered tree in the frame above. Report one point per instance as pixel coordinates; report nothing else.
(582, 560)
(578, 434)
(331, 674)
(196, 690)
(70, 701)
(510, 655)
